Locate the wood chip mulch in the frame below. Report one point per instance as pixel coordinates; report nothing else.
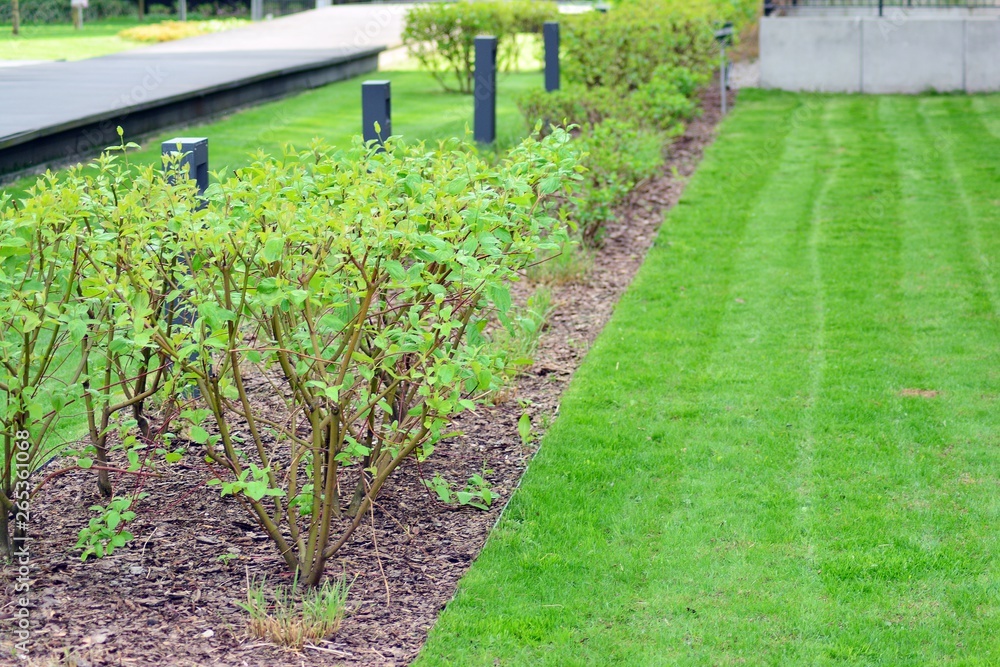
(168, 599)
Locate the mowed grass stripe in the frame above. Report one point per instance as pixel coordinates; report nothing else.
(956, 335)
(738, 548)
(553, 584)
(865, 553)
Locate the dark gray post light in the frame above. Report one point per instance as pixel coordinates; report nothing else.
(194, 159)
(194, 152)
(376, 107)
(550, 33)
(723, 36)
(485, 90)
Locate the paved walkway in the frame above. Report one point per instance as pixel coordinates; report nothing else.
(43, 99)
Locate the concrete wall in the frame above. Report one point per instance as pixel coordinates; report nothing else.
(895, 54)
(982, 56)
(819, 54)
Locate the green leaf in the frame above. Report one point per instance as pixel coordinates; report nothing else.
(85, 463)
(396, 271)
(500, 296)
(199, 435)
(273, 249)
(524, 428)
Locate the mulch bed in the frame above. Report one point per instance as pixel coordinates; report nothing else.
(167, 598)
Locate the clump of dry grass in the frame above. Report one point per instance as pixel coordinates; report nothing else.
(290, 618)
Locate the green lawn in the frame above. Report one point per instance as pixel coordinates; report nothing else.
(63, 42)
(420, 111)
(783, 449)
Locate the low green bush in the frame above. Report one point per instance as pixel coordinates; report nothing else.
(616, 155)
(665, 102)
(740, 12)
(441, 36)
(623, 49)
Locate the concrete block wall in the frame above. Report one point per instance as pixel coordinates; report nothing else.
(895, 54)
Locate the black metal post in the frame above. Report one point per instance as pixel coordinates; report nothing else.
(550, 33)
(194, 158)
(880, 3)
(194, 152)
(376, 109)
(485, 90)
(723, 36)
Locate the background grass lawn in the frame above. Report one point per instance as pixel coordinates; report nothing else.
(783, 449)
(420, 112)
(63, 42)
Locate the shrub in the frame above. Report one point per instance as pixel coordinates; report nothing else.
(740, 12)
(664, 102)
(622, 49)
(570, 105)
(616, 155)
(41, 323)
(631, 79)
(667, 100)
(355, 284)
(75, 334)
(441, 36)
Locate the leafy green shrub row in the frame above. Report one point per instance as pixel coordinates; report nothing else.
(632, 76)
(665, 102)
(618, 154)
(623, 48)
(353, 285)
(739, 12)
(441, 36)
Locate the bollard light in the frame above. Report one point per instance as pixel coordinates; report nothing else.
(550, 34)
(485, 90)
(194, 160)
(194, 157)
(724, 36)
(376, 107)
